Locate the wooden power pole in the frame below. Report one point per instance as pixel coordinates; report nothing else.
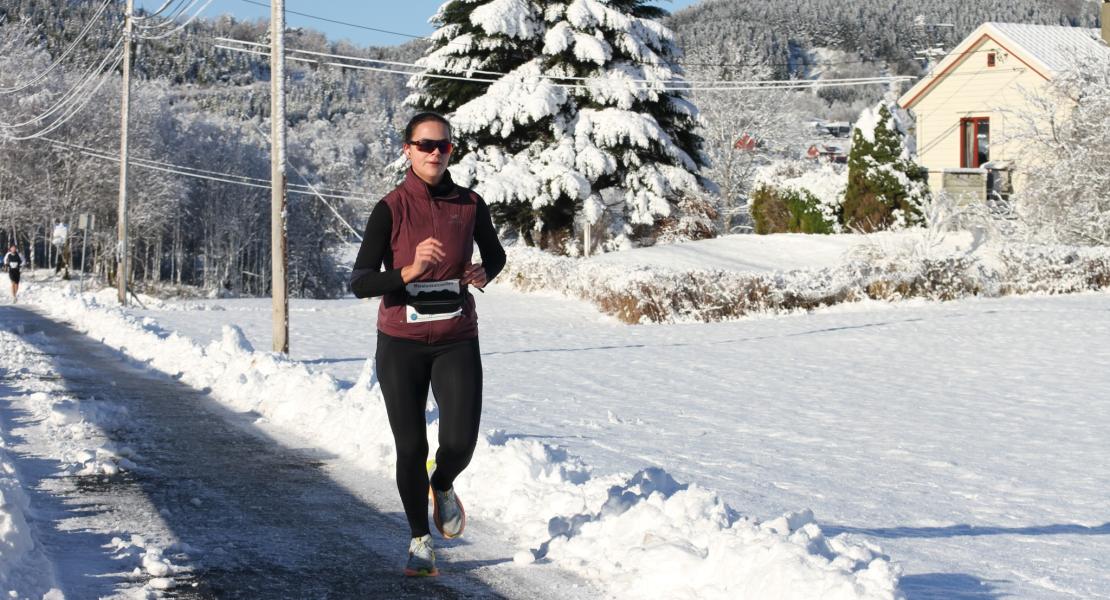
(278, 251)
(121, 244)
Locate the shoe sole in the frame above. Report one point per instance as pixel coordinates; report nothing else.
(421, 572)
(439, 522)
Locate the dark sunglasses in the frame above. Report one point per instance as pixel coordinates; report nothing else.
(428, 146)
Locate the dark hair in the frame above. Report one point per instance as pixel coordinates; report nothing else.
(424, 117)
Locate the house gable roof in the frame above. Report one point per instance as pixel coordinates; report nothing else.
(1046, 49)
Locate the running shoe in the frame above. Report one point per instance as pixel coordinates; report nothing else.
(422, 558)
(448, 513)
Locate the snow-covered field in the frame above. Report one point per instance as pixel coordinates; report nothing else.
(760, 253)
(966, 439)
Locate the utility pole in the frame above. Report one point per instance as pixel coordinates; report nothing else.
(279, 292)
(930, 49)
(121, 244)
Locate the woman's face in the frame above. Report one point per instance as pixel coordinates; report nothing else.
(428, 166)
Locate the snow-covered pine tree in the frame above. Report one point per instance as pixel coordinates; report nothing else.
(574, 124)
(885, 185)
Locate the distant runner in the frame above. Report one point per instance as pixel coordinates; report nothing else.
(12, 263)
(423, 232)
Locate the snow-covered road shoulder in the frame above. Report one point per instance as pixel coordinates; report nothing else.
(25, 571)
(54, 426)
(639, 535)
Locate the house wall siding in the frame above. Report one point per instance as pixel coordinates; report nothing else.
(972, 89)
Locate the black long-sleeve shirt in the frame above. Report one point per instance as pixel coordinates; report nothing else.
(367, 278)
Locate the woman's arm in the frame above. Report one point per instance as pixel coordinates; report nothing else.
(367, 278)
(493, 255)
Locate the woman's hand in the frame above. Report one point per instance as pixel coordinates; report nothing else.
(475, 275)
(428, 253)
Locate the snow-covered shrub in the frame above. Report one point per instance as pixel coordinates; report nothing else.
(789, 210)
(652, 295)
(821, 186)
(947, 278)
(571, 119)
(695, 218)
(884, 183)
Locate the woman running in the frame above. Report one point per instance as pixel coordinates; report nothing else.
(423, 233)
(13, 262)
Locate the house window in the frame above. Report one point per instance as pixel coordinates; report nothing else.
(975, 141)
(990, 59)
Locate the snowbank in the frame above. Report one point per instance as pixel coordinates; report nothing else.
(642, 535)
(24, 571)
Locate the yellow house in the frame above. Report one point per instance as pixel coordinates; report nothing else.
(966, 107)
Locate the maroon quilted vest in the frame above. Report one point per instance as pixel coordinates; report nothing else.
(450, 219)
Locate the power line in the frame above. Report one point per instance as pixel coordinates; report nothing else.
(567, 77)
(786, 85)
(180, 27)
(157, 12)
(724, 85)
(166, 21)
(312, 188)
(69, 50)
(200, 173)
(355, 25)
(72, 93)
(73, 111)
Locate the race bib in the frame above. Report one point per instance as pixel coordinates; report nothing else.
(433, 301)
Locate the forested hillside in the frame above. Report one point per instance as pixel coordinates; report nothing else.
(784, 33)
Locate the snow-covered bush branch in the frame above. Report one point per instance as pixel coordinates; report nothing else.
(1066, 140)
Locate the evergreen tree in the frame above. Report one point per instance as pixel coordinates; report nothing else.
(884, 183)
(574, 125)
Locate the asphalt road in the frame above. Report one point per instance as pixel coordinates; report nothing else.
(267, 520)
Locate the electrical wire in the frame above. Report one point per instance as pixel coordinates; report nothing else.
(69, 50)
(65, 118)
(165, 21)
(205, 174)
(500, 74)
(723, 85)
(180, 27)
(311, 187)
(786, 85)
(154, 14)
(74, 92)
(879, 79)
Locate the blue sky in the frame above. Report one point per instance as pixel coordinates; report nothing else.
(408, 17)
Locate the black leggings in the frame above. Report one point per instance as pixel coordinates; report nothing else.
(454, 370)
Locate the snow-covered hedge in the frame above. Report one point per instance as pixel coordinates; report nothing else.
(653, 295)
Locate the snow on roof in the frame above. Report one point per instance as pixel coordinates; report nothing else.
(1057, 46)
